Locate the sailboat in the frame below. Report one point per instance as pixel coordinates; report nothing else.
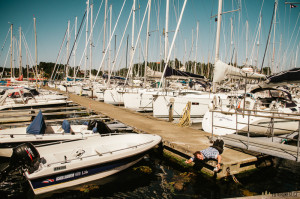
(272, 113)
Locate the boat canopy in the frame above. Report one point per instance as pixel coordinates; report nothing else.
(105, 76)
(261, 89)
(173, 72)
(290, 76)
(38, 125)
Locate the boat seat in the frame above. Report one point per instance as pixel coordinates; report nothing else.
(49, 130)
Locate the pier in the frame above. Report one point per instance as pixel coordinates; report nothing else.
(180, 142)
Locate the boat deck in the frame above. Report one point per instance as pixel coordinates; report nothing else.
(180, 141)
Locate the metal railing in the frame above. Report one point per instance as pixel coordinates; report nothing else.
(274, 116)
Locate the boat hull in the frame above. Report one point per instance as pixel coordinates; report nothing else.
(83, 175)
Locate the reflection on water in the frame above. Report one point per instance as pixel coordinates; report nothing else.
(155, 177)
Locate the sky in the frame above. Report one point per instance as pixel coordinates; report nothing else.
(52, 18)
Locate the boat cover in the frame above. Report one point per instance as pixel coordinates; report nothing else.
(223, 70)
(292, 75)
(172, 72)
(38, 125)
(66, 126)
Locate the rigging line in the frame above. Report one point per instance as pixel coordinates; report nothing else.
(173, 41)
(76, 46)
(292, 34)
(133, 53)
(246, 10)
(27, 50)
(59, 54)
(289, 21)
(76, 38)
(80, 33)
(267, 43)
(284, 20)
(4, 41)
(5, 61)
(111, 36)
(256, 27)
(29, 28)
(292, 50)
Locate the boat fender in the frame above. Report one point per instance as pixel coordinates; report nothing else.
(211, 106)
(95, 130)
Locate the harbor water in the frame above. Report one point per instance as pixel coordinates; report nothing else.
(157, 177)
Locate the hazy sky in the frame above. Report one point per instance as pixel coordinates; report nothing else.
(52, 18)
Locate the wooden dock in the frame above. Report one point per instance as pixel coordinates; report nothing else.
(179, 141)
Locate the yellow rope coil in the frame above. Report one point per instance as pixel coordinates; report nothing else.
(185, 120)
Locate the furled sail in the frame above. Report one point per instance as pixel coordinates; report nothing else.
(223, 70)
(172, 72)
(153, 73)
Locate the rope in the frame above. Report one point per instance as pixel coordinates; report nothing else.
(233, 177)
(185, 120)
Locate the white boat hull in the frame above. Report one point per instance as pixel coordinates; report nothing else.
(99, 157)
(224, 124)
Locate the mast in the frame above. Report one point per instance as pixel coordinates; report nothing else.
(75, 49)
(217, 55)
(279, 53)
(267, 43)
(132, 35)
(86, 36)
(259, 31)
(231, 38)
(127, 50)
(68, 46)
(296, 57)
(91, 41)
(20, 50)
(115, 56)
(173, 41)
(167, 29)
(14, 61)
(247, 32)
(109, 51)
(11, 49)
(197, 30)
(147, 42)
(104, 31)
(273, 56)
(35, 39)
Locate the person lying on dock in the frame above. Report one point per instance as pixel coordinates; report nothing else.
(213, 152)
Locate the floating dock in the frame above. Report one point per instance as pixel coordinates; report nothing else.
(178, 141)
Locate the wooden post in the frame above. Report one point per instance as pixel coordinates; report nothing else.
(298, 143)
(171, 108)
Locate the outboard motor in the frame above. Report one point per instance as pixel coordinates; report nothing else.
(24, 156)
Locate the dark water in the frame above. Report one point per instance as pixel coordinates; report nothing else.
(157, 177)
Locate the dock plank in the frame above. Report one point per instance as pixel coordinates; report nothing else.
(186, 140)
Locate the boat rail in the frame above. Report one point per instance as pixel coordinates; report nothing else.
(98, 154)
(274, 149)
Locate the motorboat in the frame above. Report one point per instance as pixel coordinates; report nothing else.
(264, 111)
(40, 133)
(58, 166)
(21, 98)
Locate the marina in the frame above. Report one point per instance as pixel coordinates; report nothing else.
(150, 99)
